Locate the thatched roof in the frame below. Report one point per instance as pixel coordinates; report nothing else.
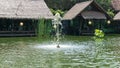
(80, 7)
(24, 9)
(116, 5)
(75, 10)
(117, 16)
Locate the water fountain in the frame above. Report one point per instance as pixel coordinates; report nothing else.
(57, 28)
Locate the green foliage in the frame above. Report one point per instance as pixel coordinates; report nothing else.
(44, 27)
(106, 4)
(111, 12)
(99, 33)
(48, 27)
(67, 4)
(41, 26)
(57, 11)
(60, 4)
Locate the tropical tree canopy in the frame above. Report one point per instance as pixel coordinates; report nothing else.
(67, 4)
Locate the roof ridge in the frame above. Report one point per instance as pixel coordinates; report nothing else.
(84, 5)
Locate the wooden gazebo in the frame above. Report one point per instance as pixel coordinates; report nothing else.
(20, 17)
(83, 18)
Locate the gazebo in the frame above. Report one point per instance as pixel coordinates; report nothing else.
(83, 18)
(20, 17)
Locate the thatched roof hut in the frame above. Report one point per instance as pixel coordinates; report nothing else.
(79, 9)
(116, 5)
(84, 17)
(24, 9)
(21, 17)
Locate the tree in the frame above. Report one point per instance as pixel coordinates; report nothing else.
(106, 4)
(67, 4)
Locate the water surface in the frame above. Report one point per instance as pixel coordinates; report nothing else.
(74, 52)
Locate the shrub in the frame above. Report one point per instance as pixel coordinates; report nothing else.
(99, 33)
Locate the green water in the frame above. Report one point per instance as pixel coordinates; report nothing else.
(74, 52)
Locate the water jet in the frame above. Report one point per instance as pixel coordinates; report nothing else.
(57, 26)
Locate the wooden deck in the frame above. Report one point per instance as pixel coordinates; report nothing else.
(17, 33)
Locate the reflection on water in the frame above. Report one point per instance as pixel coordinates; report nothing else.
(72, 54)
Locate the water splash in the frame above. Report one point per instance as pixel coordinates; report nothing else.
(57, 25)
(63, 46)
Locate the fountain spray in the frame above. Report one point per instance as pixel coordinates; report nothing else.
(57, 27)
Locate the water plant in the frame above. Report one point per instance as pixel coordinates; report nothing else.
(41, 26)
(99, 33)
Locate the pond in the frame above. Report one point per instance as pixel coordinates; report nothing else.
(74, 52)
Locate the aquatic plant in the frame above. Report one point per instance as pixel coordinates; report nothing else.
(41, 26)
(99, 33)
